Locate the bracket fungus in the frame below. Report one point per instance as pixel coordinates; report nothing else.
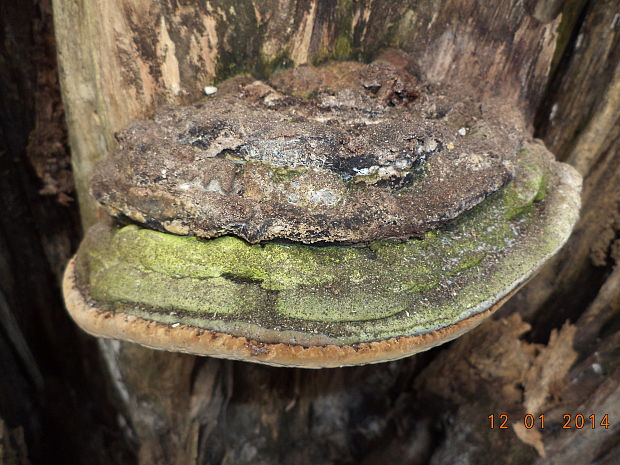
(332, 216)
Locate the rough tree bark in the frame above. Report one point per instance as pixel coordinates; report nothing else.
(552, 349)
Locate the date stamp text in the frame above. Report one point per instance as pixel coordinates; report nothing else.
(569, 421)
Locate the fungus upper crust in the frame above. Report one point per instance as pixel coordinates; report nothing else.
(306, 294)
(367, 153)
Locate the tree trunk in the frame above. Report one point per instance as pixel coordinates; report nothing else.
(552, 350)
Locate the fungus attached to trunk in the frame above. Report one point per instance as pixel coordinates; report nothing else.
(336, 215)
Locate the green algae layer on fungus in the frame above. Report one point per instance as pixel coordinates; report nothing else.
(314, 295)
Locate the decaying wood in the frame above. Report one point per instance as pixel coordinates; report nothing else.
(551, 350)
(49, 374)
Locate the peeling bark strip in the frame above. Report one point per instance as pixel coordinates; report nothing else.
(120, 59)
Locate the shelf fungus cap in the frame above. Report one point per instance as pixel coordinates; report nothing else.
(334, 216)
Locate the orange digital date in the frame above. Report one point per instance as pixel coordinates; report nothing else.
(570, 421)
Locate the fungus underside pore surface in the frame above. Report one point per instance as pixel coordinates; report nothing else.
(312, 295)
